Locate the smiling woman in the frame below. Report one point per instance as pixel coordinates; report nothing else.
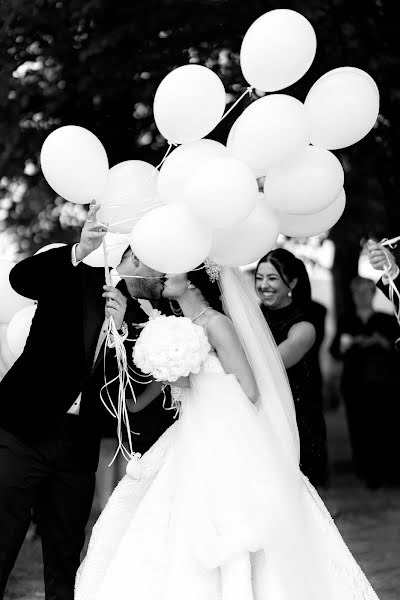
(283, 286)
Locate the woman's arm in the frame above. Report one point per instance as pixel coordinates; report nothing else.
(300, 340)
(151, 392)
(223, 337)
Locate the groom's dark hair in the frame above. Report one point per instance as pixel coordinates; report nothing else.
(209, 290)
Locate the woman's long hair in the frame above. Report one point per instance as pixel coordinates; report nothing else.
(209, 289)
(289, 268)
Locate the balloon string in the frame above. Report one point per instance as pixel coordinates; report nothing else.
(114, 223)
(124, 379)
(390, 242)
(165, 155)
(133, 218)
(106, 269)
(247, 91)
(392, 286)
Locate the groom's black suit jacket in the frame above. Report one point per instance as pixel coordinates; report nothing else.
(57, 362)
(386, 288)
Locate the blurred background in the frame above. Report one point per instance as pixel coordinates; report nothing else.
(97, 64)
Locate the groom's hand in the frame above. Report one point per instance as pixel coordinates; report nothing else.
(91, 236)
(115, 304)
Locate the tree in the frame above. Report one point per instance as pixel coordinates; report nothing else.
(98, 63)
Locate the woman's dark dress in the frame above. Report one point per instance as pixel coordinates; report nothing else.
(305, 382)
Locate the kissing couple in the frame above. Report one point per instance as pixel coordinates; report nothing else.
(216, 508)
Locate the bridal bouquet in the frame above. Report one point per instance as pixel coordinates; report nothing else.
(170, 347)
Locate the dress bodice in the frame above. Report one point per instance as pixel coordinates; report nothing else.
(212, 364)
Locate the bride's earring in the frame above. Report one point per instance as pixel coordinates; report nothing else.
(191, 286)
(290, 293)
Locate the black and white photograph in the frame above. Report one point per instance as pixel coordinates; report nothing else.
(199, 300)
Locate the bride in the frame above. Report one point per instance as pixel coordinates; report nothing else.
(218, 508)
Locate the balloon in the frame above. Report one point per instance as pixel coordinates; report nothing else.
(49, 247)
(222, 192)
(170, 240)
(116, 244)
(248, 241)
(129, 193)
(307, 183)
(269, 131)
(11, 302)
(18, 329)
(182, 163)
(189, 103)
(257, 172)
(342, 107)
(7, 359)
(294, 225)
(74, 163)
(277, 50)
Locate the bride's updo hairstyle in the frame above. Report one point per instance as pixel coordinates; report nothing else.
(209, 289)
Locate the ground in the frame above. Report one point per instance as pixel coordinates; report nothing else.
(368, 520)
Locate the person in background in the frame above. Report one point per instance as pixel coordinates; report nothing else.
(364, 341)
(283, 286)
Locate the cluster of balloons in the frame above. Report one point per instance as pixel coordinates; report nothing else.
(205, 199)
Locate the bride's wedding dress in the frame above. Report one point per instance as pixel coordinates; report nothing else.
(218, 509)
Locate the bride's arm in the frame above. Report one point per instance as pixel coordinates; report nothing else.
(223, 337)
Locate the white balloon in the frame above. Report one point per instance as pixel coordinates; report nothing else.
(229, 142)
(342, 107)
(11, 302)
(74, 163)
(182, 163)
(18, 329)
(354, 70)
(129, 193)
(248, 241)
(189, 103)
(50, 247)
(307, 183)
(170, 240)
(222, 192)
(269, 131)
(294, 225)
(277, 50)
(7, 359)
(116, 244)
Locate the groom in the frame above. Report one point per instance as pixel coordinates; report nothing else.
(51, 416)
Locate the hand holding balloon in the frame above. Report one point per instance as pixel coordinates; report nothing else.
(380, 258)
(91, 236)
(115, 304)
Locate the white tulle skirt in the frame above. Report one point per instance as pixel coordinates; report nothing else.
(216, 510)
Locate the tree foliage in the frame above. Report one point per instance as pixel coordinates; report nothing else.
(97, 63)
